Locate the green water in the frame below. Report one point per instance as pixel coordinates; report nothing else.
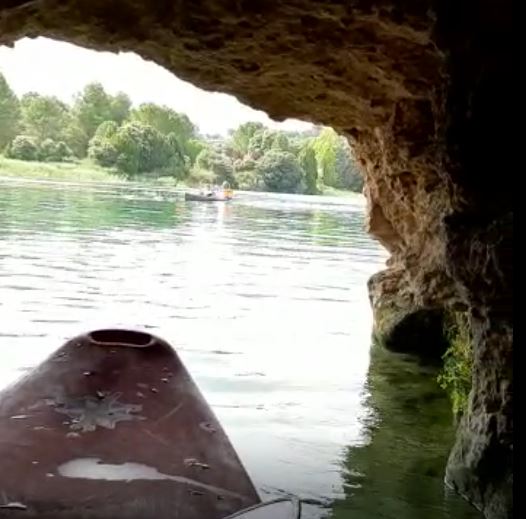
(265, 300)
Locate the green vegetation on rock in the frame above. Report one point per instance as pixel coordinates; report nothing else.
(455, 376)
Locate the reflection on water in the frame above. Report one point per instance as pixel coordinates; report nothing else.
(265, 299)
(397, 471)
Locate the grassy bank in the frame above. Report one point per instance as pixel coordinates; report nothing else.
(82, 171)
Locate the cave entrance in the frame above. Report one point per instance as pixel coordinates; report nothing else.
(414, 87)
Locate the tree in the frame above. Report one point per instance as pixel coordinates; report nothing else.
(136, 148)
(94, 105)
(265, 140)
(336, 160)
(260, 143)
(103, 152)
(280, 172)
(325, 146)
(92, 108)
(280, 142)
(179, 163)
(75, 137)
(101, 148)
(218, 163)
(43, 117)
(307, 160)
(241, 136)
(106, 130)
(9, 113)
(247, 163)
(140, 148)
(119, 108)
(193, 148)
(166, 121)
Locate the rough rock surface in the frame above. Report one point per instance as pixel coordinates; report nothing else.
(422, 90)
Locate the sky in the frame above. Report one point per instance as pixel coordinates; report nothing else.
(57, 68)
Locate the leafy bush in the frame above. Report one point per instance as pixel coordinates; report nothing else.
(280, 172)
(51, 151)
(23, 147)
(140, 148)
(106, 130)
(218, 163)
(102, 151)
(248, 180)
(262, 141)
(247, 163)
(193, 148)
(63, 151)
(76, 139)
(202, 176)
(136, 148)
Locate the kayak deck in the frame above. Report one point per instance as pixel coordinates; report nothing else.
(112, 425)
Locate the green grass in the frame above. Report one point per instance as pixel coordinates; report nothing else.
(81, 171)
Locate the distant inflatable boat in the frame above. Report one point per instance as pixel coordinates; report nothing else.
(210, 197)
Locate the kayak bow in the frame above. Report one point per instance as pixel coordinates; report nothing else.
(112, 425)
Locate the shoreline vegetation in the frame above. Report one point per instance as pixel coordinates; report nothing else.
(84, 171)
(104, 137)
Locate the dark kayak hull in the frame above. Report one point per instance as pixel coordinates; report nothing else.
(113, 426)
(204, 198)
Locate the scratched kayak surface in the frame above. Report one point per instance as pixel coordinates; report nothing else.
(112, 425)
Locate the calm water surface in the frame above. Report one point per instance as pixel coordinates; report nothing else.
(265, 299)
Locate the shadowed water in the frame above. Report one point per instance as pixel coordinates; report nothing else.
(265, 300)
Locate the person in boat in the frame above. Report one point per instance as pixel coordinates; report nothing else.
(226, 189)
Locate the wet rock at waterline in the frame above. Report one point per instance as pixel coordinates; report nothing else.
(401, 327)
